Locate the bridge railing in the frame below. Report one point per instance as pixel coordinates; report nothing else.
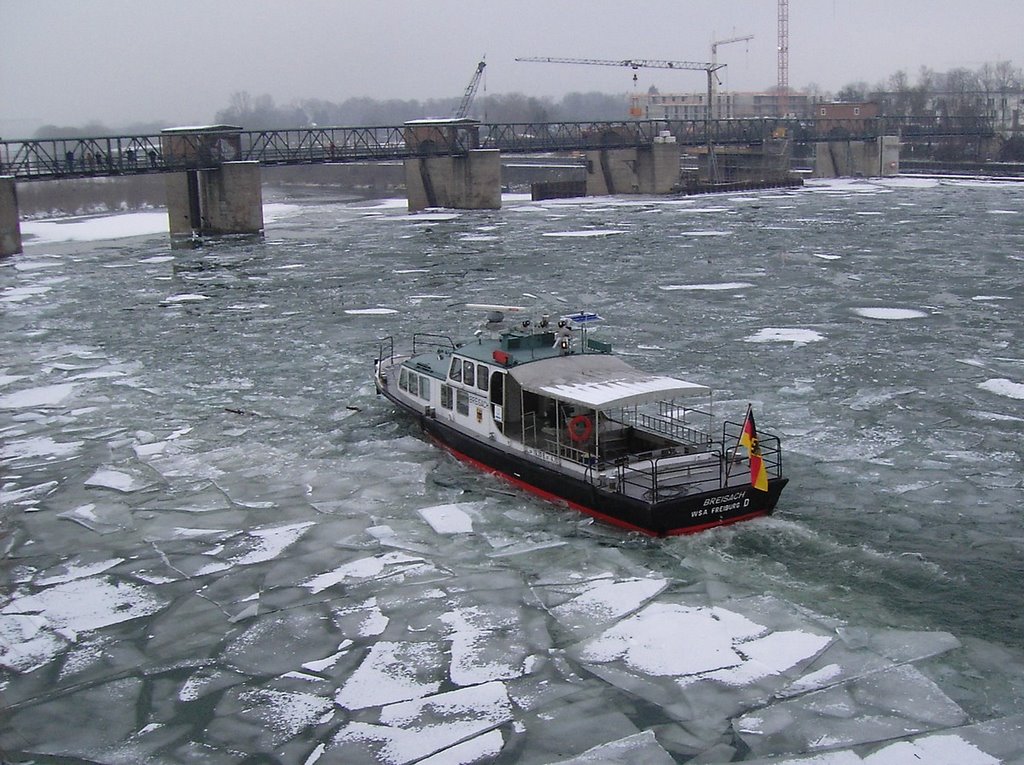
(63, 157)
(331, 144)
(520, 137)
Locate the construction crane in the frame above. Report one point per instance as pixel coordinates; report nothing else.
(467, 97)
(716, 43)
(783, 83)
(640, 63)
(714, 55)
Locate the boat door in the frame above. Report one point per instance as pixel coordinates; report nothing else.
(497, 392)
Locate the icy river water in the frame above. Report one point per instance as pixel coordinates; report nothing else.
(220, 546)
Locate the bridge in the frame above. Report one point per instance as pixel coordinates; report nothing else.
(213, 181)
(101, 156)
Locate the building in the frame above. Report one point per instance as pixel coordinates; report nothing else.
(846, 110)
(693, 106)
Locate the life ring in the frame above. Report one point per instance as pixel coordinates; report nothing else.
(580, 427)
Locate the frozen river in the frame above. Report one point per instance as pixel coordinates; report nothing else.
(220, 546)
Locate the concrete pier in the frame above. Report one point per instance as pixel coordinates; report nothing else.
(10, 226)
(225, 200)
(877, 157)
(650, 169)
(470, 181)
(450, 169)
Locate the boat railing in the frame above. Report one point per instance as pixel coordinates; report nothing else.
(771, 448)
(664, 475)
(663, 424)
(431, 340)
(568, 452)
(386, 350)
(529, 427)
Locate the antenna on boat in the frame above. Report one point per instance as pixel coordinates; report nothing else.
(582, 320)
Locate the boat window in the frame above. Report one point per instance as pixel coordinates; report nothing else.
(467, 373)
(481, 376)
(424, 388)
(462, 401)
(455, 372)
(446, 396)
(403, 379)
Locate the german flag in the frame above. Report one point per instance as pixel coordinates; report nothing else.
(758, 474)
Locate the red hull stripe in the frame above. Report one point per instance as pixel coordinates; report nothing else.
(547, 495)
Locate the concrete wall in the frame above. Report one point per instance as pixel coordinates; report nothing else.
(467, 182)
(10, 226)
(648, 170)
(872, 158)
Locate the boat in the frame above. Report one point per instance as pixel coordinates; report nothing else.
(550, 408)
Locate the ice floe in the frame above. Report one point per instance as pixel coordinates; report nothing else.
(43, 396)
(394, 564)
(393, 672)
(95, 228)
(785, 335)
(86, 604)
(39, 446)
(117, 480)
(412, 730)
(187, 297)
(1003, 387)
(21, 294)
(451, 518)
(586, 233)
(893, 314)
(714, 287)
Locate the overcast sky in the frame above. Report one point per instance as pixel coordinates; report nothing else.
(69, 62)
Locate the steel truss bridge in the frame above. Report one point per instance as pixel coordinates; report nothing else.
(123, 155)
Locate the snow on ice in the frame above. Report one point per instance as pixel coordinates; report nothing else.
(785, 335)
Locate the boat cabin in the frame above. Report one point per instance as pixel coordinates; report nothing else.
(557, 392)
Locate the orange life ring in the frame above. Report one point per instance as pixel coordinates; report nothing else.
(580, 427)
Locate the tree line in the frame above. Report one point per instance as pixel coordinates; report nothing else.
(958, 92)
(261, 113)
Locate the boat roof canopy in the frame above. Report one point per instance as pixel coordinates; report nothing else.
(600, 382)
